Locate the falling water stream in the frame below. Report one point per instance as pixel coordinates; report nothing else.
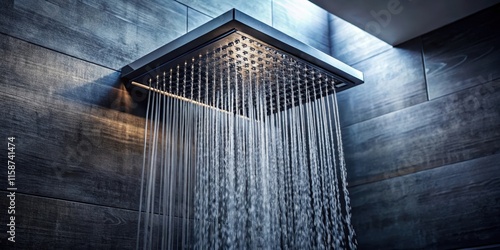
(243, 151)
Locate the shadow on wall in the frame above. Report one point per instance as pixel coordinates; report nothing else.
(109, 92)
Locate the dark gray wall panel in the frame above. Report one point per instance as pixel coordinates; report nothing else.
(66, 116)
(44, 223)
(158, 23)
(78, 142)
(27, 67)
(351, 44)
(399, 148)
(463, 54)
(109, 33)
(72, 142)
(258, 9)
(449, 207)
(196, 18)
(72, 152)
(393, 80)
(454, 128)
(304, 21)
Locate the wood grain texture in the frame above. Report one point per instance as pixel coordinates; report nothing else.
(463, 54)
(67, 153)
(303, 21)
(72, 126)
(394, 80)
(110, 33)
(44, 223)
(299, 19)
(454, 128)
(450, 207)
(258, 9)
(78, 140)
(71, 148)
(196, 19)
(351, 44)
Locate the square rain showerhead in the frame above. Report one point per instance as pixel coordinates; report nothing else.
(237, 55)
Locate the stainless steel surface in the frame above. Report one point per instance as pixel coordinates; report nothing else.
(227, 24)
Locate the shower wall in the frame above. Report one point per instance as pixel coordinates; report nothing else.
(422, 135)
(79, 133)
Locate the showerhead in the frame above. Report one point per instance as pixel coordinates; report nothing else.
(232, 55)
(260, 145)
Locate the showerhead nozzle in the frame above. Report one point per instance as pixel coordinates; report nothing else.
(237, 55)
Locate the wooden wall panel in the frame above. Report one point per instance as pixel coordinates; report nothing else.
(424, 174)
(28, 67)
(196, 19)
(69, 128)
(80, 144)
(300, 19)
(351, 44)
(70, 148)
(303, 21)
(454, 128)
(44, 223)
(258, 9)
(394, 80)
(449, 207)
(109, 33)
(65, 152)
(464, 54)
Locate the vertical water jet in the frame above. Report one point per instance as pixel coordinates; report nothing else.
(242, 142)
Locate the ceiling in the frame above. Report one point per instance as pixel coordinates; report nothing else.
(397, 21)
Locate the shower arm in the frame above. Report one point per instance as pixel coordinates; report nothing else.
(226, 24)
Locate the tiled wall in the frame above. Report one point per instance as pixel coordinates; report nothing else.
(79, 134)
(421, 135)
(297, 18)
